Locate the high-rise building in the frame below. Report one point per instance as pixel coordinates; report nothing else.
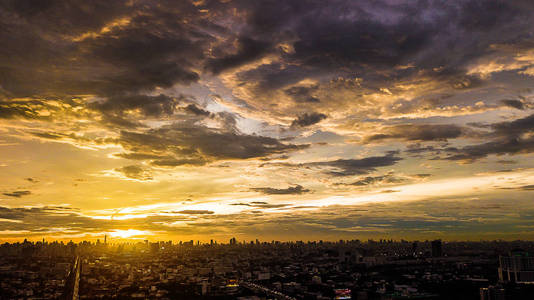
(518, 267)
(436, 248)
(492, 293)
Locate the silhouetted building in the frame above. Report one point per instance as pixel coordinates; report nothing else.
(154, 247)
(518, 267)
(436, 248)
(492, 293)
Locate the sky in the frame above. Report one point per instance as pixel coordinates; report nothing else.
(270, 120)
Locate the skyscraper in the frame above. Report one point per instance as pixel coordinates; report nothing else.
(436, 248)
(518, 267)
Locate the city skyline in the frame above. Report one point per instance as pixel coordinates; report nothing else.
(272, 120)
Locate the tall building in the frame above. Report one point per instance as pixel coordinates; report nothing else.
(492, 293)
(518, 267)
(436, 248)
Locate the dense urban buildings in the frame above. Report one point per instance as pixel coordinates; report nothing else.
(516, 267)
(354, 269)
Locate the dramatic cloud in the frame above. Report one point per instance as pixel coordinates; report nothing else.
(514, 128)
(302, 93)
(308, 119)
(348, 167)
(507, 146)
(513, 103)
(198, 144)
(205, 111)
(413, 132)
(248, 50)
(117, 51)
(192, 108)
(509, 138)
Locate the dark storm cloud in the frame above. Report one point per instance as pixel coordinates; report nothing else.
(377, 35)
(506, 146)
(110, 47)
(17, 194)
(512, 137)
(192, 108)
(149, 106)
(292, 190)
(495, 13)
(135, 172)
(192, 144)
(383, 43)
(514, 128)
(186, 143)
(354, 41)
(349, 167)
(67, 16)
(418, 132)
(228, 120)
(308, 119)
(248, 50)
(120, 51)
(66, 42)
(302, 93)
(513, 103)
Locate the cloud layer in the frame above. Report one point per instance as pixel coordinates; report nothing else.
(229, 112)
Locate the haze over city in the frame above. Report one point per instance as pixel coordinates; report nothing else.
(272, 120)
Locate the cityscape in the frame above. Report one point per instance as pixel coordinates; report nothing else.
(267, 149)
(250, 270)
